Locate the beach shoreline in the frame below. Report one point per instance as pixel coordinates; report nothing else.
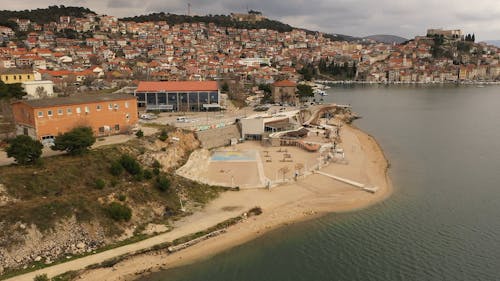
(297, 202)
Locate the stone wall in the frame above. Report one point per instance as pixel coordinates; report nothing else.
(218, 137)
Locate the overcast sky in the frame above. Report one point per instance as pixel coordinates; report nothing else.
(405, 18)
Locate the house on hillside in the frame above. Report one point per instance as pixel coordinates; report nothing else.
(284, 91)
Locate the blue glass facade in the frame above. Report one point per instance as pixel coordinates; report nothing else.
(177, 101)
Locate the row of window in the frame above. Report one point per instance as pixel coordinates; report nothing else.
(6, 77)
(78, 110)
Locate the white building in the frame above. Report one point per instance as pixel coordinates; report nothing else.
(39, 89)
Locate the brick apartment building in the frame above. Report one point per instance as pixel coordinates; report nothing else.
(178, 95)
(46, 118)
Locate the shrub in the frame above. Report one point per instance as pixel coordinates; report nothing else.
(76, 141)
(147, 174)
(130, 164)
(163, 135)
(119, 212)
(116, 168)
(113, 182)
(139, 134)
(156, 164)
(24, 150)
(139, 176)
(156, 171)
(162, 183)
(99, 183)
(42, 277)
(121, 197)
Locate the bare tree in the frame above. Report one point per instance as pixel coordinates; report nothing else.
(41, 92)
(284, 170)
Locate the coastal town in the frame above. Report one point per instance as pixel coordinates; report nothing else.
(136, 144)
(95, 52)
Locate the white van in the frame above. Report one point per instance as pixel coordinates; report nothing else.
(182, 119)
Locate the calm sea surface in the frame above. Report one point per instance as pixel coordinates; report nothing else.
(442, 222)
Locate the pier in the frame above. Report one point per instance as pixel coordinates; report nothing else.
(370, 189)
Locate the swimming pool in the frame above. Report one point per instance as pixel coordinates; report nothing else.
(234, 156)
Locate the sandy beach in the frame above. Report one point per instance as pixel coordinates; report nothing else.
(307, 198)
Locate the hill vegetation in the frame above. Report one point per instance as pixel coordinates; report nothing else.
(89, 192)
(46, 15)
(219, 20)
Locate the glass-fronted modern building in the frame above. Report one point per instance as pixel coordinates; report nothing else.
(178, 95)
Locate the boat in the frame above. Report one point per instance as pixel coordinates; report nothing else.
(320, 92)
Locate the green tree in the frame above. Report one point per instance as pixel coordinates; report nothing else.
(266, 88)
(8, 91)
(24, 150)
(225, 87)
(304, 91)
(76, 141)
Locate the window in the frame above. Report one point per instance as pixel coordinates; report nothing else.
(78, 110)
(28, 77)
(40, 113)
(98, 107)
(110, 106)
(101, 130)
(127, 116)
(20, 77)
(15, 78)
(60, 111)
(87, 110)
(6, 78)
(68, 111)
(49, 112)
(117, 106)
(126, 104)
(117, 127)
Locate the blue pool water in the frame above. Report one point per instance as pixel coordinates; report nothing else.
(234, 156)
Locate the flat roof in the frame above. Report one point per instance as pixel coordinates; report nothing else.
(177, 86)
(77, 99)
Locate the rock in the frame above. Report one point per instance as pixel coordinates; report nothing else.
(38, 258)
(80, 245)
(22, 226)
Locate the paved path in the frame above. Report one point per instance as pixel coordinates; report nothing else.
(116, 139)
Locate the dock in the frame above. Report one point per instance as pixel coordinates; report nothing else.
(370, 189)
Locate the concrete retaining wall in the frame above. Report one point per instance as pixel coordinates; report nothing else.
(218, 137)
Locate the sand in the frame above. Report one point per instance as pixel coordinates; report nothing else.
(306, 198)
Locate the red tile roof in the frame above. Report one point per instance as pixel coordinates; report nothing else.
(177, 86)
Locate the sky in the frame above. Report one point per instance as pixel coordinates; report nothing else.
(406, 18)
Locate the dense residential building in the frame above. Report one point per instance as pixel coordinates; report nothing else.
(44, 119)
(12, 76)
(178, 95)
